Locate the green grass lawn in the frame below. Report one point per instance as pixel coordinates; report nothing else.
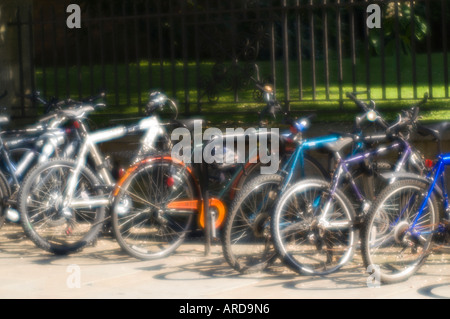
(124, 95)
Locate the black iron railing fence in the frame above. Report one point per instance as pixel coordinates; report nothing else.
(202, 52)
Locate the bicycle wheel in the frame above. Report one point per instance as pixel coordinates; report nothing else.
(246, 240)
(303, 242)
(143, 224)
(389, 243)
(45, 222)
(5, 193)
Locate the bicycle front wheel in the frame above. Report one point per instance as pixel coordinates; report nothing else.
(146, 222)
(304, 242)
(43, 218)
(396, 240)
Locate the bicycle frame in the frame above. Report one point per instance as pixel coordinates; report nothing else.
(437, 175)
(343, 171)
(299, 155)
(217, 202)
(152, 128)
(46, 138)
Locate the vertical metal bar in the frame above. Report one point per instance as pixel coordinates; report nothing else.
(313, 49)
(339, 49)
(444, 10)
(234, 27)
(397, 51)
(172, 48)
(299, 52)
(78, 54)
(66, 62)
(138, 57)
(126, 50)
(367, 52)
(272, 55)
(32, 62)
(21, 80)
(44, 71)
(102, 49)
(383, 59)
(353, 44)
(185, 56)
(160, 45)
(197, 55)
(287, 96)
(430, 67)
(149, 46)
(114, 52)
(413, 49)
(90, 51)
(55, 50)
(325, 43)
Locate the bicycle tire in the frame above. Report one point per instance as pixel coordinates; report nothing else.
(246, 242)
(48, 228)
(383, 226)
(141, 230)
(316, 253)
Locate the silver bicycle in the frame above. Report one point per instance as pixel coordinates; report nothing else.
(63, 202)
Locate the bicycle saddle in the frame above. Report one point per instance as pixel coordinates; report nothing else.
(77, 112)
(338, 145)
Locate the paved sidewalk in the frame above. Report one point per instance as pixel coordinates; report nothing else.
(104, 271)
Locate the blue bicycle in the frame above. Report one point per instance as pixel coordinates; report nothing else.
(408, 218)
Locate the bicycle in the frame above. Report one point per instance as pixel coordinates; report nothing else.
(246, 241)
(63, 202)
(20, 150)
(407, 219)
(315, 226)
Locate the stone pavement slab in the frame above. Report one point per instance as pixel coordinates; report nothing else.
(104, 271)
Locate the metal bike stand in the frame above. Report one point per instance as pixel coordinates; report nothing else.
(205, 196)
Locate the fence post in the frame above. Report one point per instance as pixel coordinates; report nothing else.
(15, 55)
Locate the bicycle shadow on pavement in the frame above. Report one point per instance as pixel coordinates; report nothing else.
(215, 267)
(15, 244)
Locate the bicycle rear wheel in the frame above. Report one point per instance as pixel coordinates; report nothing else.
(390, 244)
(303, 242)
(143, 223)
(45, 222)
(246, 240)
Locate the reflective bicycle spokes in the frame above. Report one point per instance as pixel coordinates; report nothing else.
(398, 238)
(147, 225)
(47, 215)
(309, 241)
